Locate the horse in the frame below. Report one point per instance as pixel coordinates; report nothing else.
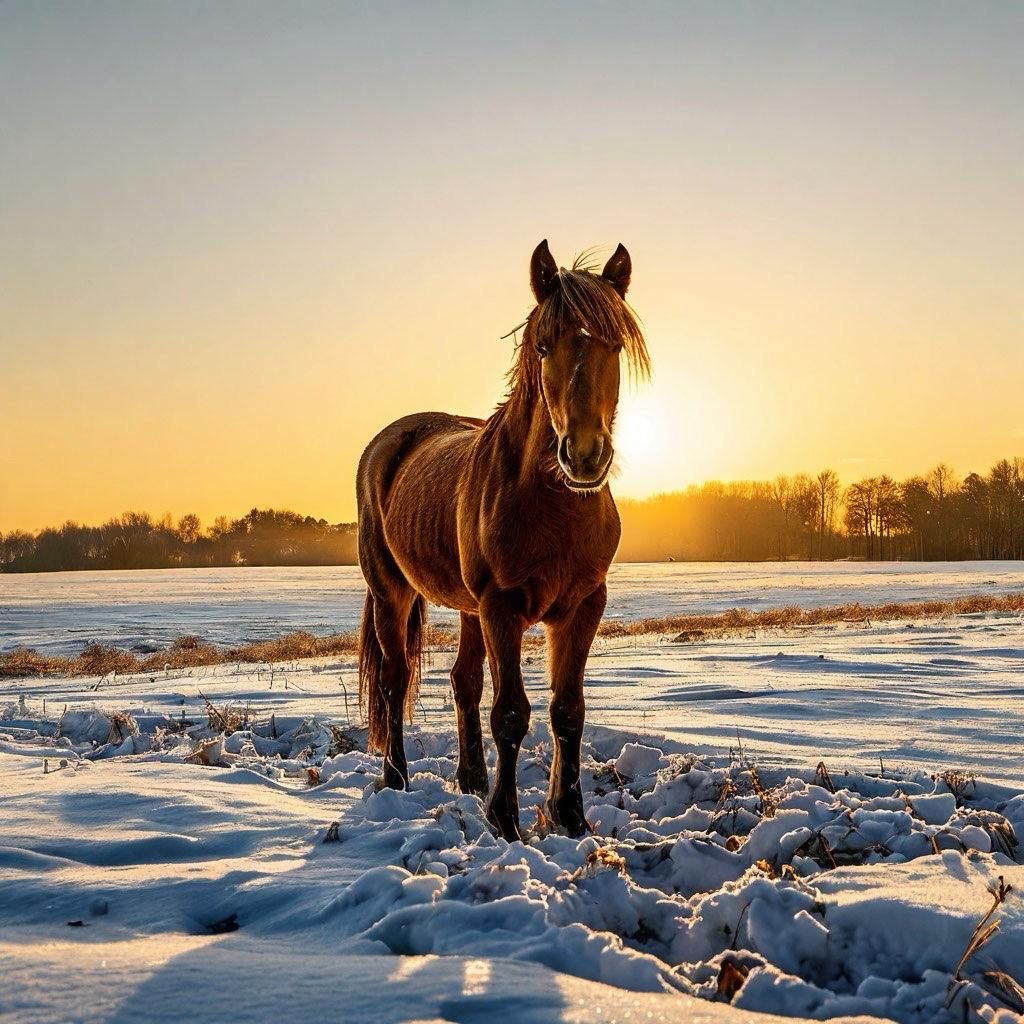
(509, 521)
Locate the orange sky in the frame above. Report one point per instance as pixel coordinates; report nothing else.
(237, 240)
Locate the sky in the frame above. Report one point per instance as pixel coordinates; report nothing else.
(237, 239)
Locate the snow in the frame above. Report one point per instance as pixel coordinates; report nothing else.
(263, 875)
(60, 612)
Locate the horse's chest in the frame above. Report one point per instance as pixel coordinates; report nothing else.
(555, 562)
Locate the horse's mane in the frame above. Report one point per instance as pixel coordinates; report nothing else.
(582, 299)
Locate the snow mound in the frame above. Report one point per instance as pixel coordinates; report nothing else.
(710, 870)
(778, 890)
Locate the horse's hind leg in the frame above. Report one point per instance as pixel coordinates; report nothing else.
(391, 625)
(468, 685)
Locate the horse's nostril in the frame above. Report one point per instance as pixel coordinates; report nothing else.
(564, 452)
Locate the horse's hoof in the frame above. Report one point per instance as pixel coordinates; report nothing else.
(392, 779)
(568, 817)
(510, 833)
(473, 784)
(505, 824)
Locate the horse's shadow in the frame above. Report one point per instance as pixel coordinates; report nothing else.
(261, 979)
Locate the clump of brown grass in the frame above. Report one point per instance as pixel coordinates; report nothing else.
(543, 826)
(122, 725)
(100, 660)
(23, 661)
(817, 849)
(341, 742)
(602, 857)
(768, 802)
(960, 783)
(206, 753)
(294, 647)
(185, 652)
(1000, 831)
(823, 777)
(731, 975)
(229, 718)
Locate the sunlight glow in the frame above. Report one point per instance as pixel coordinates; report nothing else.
(643, 430)
(663, 440)
(777, 265)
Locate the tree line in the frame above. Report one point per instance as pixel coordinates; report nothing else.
(923, 518)
(137, 540)
(931, 517)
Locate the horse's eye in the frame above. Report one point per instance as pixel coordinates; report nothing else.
(542, 350)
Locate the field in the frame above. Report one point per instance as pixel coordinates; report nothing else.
(807, 821)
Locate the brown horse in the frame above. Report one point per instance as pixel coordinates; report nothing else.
(510, 522)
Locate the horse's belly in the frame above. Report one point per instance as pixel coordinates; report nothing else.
(441, 591)
(434, 573)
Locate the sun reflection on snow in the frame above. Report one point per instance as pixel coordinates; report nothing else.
(408, 966)
(476, 977)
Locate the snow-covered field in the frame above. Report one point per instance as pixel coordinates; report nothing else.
(60, 612)
(152, 868)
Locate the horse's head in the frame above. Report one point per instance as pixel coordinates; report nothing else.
(578, 332)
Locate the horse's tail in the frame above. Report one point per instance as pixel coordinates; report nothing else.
(371, 685)
(372, 694)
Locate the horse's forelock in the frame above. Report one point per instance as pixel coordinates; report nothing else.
(581, 299)
(584, 299)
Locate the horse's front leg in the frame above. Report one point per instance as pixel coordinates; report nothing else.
(503, 624)
(569, 640)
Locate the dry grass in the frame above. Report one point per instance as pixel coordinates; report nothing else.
(191, 651)
(823, 777)
(228, 719)
(692, 628)
(997, 982)
(986, 927)
(23, 661)
(602, 857)
(960, 783)
(731, 976)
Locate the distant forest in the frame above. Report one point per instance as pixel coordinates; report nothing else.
(136, 540)
(923, 518)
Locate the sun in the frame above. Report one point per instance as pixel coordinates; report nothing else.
(668, 437)
(644, 428)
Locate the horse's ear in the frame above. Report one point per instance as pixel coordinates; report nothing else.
(618, 269)
(543, 271)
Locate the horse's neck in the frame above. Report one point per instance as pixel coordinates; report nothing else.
(523, 431)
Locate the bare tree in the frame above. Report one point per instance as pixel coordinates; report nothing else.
(828, 491)
(941, 481)
(190, 529)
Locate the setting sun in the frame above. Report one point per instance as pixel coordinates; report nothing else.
(667, 436)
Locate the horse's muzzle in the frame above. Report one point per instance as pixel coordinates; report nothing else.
(585, 461)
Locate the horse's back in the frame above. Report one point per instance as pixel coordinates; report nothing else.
(407, 487)
(383, 456)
